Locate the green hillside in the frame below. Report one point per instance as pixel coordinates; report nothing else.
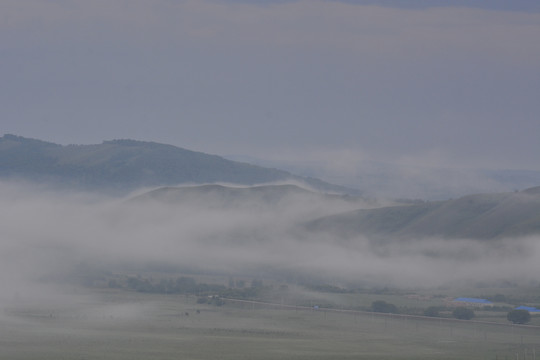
(482, 216)
(124, 165)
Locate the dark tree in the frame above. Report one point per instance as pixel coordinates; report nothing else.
(432, 311)
(519, 316)
(383, 307)
(463, 313)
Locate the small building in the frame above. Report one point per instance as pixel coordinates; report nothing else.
(529, 309)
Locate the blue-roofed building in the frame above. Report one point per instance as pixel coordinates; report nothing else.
(529, 309)
(472, 301)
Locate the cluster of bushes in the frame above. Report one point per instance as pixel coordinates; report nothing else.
(519, 316)
(461, 312)
(325, 288)
(181, 285)
(381, 306)
(208, 293)
(433, 311)
(211, 300)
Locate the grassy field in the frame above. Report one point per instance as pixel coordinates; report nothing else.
(116, 324)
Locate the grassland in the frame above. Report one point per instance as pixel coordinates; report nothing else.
(119, 324)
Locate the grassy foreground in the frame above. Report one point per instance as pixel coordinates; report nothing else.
(128, 325)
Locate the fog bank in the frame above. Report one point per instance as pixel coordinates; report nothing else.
(46, 235)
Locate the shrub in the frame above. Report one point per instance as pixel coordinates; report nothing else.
(519, 316)
(432, 311)
(202, 300)
(383, 307)
(463, 313)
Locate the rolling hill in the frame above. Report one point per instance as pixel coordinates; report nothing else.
(124, 165)
(250, 197)
(481, 216)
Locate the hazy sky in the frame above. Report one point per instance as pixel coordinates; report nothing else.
(453, 82)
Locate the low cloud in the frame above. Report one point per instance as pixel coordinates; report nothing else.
(46, 235)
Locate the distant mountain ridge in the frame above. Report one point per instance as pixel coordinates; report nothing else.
(125, 165)
(481, 216)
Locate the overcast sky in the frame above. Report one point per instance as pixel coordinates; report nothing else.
(442, 82)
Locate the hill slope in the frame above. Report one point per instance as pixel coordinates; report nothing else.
(483, 216)
(251, 197)
(124, 165)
